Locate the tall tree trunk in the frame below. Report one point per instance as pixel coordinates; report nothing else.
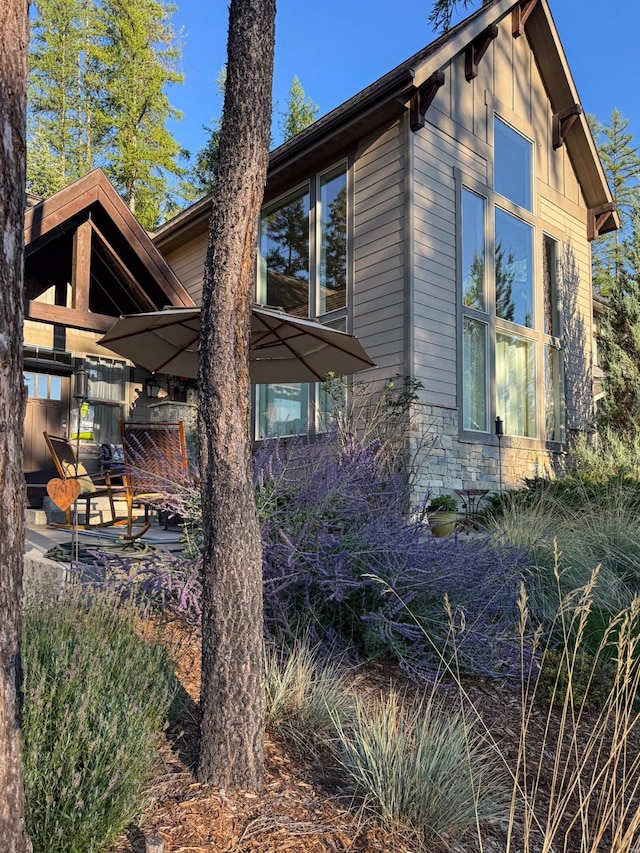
(13, 76)
(231, 712)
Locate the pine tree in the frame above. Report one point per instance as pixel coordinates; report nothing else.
(300, 112)
(97, 97)
(621, 165)
(620, 342)
(140, 59)
(231, 712)
(13, 105)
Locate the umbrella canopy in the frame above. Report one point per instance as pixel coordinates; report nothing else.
(283, 348)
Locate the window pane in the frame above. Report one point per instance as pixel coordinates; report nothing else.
(284, 256)
(55, 388)
(550, 288)
(473, 293)
(512, 164)
(552, 394)
(514, 270)
(516, 385)
(42, 386)
(283, 409)
(105, 379)
(333, 243)
(30, 382)
(474, 379)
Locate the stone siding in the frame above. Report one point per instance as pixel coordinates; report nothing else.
(454, 464)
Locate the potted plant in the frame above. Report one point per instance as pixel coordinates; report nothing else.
(442, 515)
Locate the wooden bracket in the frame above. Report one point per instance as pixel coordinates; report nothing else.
(519, 16)
(476, 50)
(422, 98)
(562, 122)
(597, 217)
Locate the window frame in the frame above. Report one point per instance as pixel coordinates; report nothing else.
(540, 233)
(340, 317)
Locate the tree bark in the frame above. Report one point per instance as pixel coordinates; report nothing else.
(13, 76)
(231, 712)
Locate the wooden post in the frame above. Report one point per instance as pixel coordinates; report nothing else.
(153, 844)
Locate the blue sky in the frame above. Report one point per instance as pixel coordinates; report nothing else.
(337, 47)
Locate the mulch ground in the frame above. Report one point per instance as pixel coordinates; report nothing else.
(306, 806)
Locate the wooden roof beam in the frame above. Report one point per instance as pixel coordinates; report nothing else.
(562, 121)
(62, 316)
(597, 217)
(476, 50)
(519, 16)
(422, 98)
(81, 267)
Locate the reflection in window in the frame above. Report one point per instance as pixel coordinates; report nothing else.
(473, 295)
(106, 385)
(513, 270)
(550, 287)
(333, 242)
(474, 375)
(552, 394)
(516, 384)
(283, 409)
(284, 256)
(512, 160)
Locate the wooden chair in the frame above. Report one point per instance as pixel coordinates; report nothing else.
(92, 486)
(155, 466)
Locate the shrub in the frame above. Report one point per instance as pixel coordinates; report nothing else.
(340, 553)
(419, 766)
(96, 697)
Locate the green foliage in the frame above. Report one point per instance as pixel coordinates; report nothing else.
(584, 674)
(621, 165)
(303, 696)
(619, 411)
(299, 113)
(419, 765)
(96, 697)
(445, 503)
(97, 97)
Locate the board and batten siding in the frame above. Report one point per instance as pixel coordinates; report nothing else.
(457, 138)
(379, 249)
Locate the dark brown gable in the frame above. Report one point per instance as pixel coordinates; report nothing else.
(88, 260)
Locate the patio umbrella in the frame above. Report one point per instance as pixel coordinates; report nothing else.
(283, 348)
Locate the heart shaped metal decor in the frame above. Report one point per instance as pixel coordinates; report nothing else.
(63, 492)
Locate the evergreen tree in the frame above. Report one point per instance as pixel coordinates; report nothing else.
(99, 71)
(620, 342)
(300, 111)
(621, 165)
(203, 174)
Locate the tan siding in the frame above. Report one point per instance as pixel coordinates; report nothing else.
(187, 262)
(379, 249)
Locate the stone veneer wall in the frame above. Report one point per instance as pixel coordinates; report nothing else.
(453, 464)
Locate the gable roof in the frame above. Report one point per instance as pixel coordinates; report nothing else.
(389, 97)
(116, 237)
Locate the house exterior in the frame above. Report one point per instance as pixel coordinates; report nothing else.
(444, 215)
(87, 260)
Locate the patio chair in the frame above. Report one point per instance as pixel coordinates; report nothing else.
(92, 486)
(155, 466)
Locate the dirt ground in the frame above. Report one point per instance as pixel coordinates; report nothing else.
(307, 806)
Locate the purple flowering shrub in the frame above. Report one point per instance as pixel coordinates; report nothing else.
(342, 559)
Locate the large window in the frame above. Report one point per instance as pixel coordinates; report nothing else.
(511, 363)
(100, 416)
(303, 269)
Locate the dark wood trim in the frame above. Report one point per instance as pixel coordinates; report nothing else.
(81, 267)
(597, 216)
(69, 317)
(519, 17)
(476, 50)
(562, 122)
(105, 248)
(423, 97)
